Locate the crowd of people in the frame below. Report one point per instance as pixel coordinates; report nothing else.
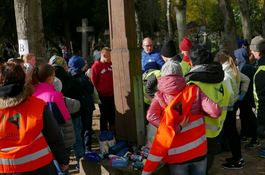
(193, 103)
(46, 110)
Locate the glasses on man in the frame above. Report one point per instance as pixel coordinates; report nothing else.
(148, 45)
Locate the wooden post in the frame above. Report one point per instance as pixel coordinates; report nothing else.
(127, 73)
(84, 29)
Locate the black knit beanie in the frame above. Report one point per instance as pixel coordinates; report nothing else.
(169, 50)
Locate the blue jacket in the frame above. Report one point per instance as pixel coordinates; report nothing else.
(152, 60)
(87, 102)
(242, 56)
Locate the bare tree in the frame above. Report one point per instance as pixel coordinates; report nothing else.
(229, 25)
(169, 24)
(245, 19)
(263, 19)
(29, 26)
(180, 10)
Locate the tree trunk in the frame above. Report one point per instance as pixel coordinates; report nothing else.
(67, 31)
(181, 19)
(229, 25)
(169, 24)
(263, 19)
(138, 30)
(30, 26)
(245, 19)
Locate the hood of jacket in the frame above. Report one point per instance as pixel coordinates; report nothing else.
(242, 56)
(261, 60)
(207, 73)
(21, 97)
(169, 86)
(74, 72)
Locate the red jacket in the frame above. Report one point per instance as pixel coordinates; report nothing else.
(169, 87)
(102, 78)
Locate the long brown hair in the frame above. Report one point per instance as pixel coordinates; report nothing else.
(40, 74)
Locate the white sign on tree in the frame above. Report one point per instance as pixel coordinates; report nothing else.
(23, 46)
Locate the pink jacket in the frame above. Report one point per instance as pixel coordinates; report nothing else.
(169, 86)
(54, 99)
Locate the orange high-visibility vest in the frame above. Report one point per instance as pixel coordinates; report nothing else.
(23, 147)
(189, 144)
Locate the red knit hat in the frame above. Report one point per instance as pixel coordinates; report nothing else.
(186, 44)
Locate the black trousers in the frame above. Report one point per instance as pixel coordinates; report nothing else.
(211, 149)
(232, 134)
(107, 112)
(248, 119)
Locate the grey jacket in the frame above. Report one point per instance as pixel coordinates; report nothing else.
(67, 128)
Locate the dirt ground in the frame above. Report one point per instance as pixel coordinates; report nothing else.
(255, 165)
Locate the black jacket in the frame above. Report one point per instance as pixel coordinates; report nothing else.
(207, 73)
(87, 102)
(260, 89)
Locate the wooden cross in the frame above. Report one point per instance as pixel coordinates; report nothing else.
(84, 29)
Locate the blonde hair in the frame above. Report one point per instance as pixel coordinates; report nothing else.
(222, 57)
(28, 57)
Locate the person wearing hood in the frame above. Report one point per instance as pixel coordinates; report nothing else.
(209, 76)
(247, 116)
(31, 136)
(77, 66)
(172, 88)
(151, 57)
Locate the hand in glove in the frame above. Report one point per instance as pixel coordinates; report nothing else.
(241, 96)
(261, 131)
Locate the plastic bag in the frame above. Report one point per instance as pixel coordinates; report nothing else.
(151, 133)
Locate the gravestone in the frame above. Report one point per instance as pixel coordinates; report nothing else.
(204, 38)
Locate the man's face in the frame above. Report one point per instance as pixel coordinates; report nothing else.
(148, 46)
(185, 53)
(108, 56)
(256, 54)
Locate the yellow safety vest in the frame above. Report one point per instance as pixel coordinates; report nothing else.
(218, 93)
(185, 67)
(256, 98)
(148, 98)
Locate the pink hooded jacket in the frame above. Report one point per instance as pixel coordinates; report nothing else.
(169, 86)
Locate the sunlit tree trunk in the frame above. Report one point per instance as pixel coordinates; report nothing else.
(138, 28)
(169, 24)
(180, 10)
(245, 19)
(229, 25)
(263, 19)
(30, 26)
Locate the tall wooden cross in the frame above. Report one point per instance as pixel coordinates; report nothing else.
(85, 29)
(127, 73)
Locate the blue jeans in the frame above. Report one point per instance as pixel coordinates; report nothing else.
(78, 146)
(59, 172)
(195, 168)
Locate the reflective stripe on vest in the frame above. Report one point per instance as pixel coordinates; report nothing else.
(27, 158)
(185, 67)
(218, 93)
(188, 144)
(256, 98)
(24, 147)
(148, 98)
